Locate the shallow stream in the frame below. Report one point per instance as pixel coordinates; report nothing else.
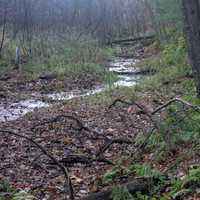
(125, 68)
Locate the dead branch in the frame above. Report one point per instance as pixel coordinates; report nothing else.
(72, 159)
(62, 168)
(142, 111)
(107, 145)
(195, 108)
(159, 109)
(58, 118)
(151, 37)
(80, 125)
(138, 185)
(126, 103)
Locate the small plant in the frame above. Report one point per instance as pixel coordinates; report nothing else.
(121, 194)
(114, 173)
(186, 186)
(5, 186)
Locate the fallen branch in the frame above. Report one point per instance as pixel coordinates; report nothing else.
(126, 103)
(142, 111)
(159, 109)
(58, 118)
(72, 159)
(111, 142)
(195, 108)
(138, 185)
(151, 37)
(62, 168)
(80, 124)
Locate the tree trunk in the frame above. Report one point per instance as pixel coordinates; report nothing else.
(4, 30)
(191, 13)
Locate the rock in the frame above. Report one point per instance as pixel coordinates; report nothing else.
(48, 76)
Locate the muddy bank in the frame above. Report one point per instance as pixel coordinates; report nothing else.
(17, 82)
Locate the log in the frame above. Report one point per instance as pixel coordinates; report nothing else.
(151, 37)
(138, 185)
(138, 72)
(48, 76)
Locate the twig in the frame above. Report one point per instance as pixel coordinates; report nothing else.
(63, 169)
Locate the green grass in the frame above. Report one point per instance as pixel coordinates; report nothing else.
(59, 55)
(109, 95)
(170, 65)
(172, 69)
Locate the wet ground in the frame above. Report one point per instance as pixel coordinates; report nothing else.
(125, 68)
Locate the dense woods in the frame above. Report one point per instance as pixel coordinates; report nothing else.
(99, 99)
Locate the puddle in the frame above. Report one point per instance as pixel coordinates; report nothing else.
(127, 81)
(124, 67)
(74, 94)
(16, 110)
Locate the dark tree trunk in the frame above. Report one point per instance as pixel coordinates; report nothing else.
(191, 13)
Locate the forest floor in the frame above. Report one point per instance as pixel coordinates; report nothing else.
(79, 142)
(18, 83)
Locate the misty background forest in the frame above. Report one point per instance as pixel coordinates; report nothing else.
(99, 99)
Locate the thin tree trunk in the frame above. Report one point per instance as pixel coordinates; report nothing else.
(4, 31)
(191, 13)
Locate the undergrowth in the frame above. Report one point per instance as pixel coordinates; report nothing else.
(171, 154)
(8, 192)
(60, 55)
(170, 64)
(165, 188)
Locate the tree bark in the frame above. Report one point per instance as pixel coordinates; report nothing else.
(191, 14)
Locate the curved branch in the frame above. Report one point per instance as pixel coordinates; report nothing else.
(111, 142)
(62, 168)
(127, 103)
(195, 108)
(58, 118)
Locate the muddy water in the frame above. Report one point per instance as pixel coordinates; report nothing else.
(123, 67)
(16, 110)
